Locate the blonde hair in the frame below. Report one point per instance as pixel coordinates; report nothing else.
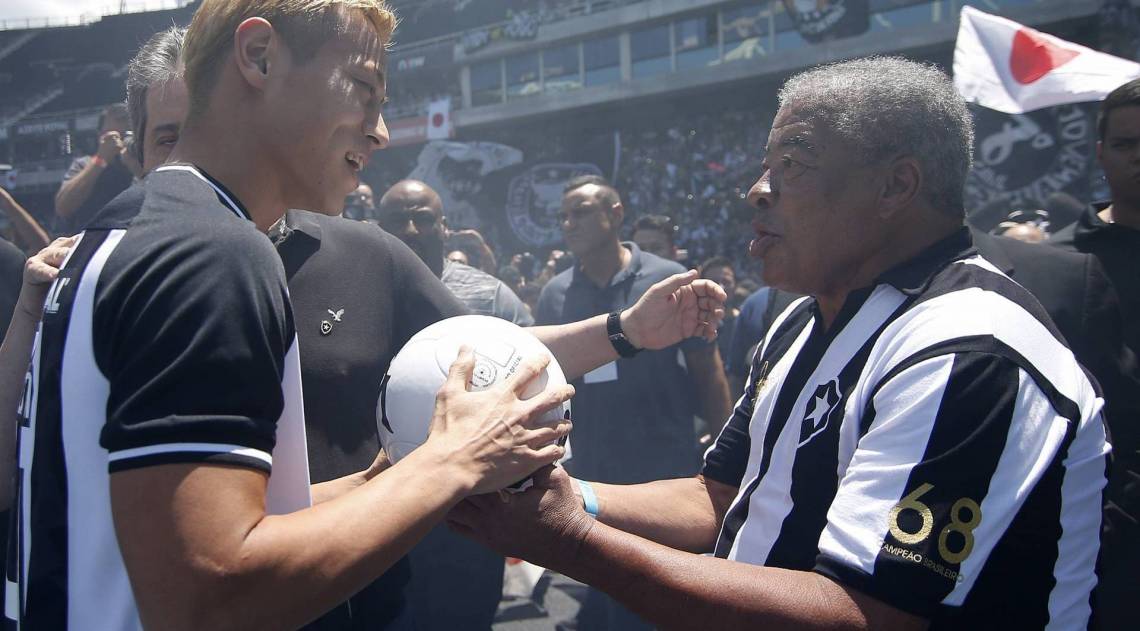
(304, 25)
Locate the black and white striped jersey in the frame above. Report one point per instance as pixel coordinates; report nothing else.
(167, 338)
(937, 448)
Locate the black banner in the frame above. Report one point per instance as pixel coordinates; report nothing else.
(1020, 160)
(825, 20)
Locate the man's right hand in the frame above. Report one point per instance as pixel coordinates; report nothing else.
(494, 437)
(110, 146)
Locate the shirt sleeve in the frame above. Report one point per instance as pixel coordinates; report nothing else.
(193, 343)
(954, 447)
(509, 306)
(77, 166)
(421, 298)
(727, 458)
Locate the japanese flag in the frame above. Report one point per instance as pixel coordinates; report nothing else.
(439, 120)
(1011, 68)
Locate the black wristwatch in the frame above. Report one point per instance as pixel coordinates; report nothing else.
(617, 336)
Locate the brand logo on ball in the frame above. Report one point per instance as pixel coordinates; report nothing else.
(1024, 158)
(484, 373)
(533, 200)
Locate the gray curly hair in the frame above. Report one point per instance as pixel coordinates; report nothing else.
(158, 62)
(890, 106)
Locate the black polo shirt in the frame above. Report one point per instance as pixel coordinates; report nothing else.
(358, 295)
(167, 338)
(633, 421)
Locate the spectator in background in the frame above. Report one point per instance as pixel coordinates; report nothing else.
(656, 235)
(1027, 232)
(94, 180)
(445, 566)
(1111, 232)
(413, 212)
(719, 270)
(479, 254)
(633, 418)
(457, 256)
(157, 100)
(359, 204)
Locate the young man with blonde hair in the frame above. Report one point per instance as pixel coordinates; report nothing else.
(163, 479)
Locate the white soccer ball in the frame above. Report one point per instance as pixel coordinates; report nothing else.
(407, 396)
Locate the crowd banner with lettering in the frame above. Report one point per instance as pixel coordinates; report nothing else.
(1022, 159)
(825, 20)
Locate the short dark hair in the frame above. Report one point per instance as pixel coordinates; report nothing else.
(609, 194)
(716, 261)
(1125, 95)
(114, 110)
(663, 223)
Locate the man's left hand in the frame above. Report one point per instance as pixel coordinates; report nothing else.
(542, 525)
(677, 308)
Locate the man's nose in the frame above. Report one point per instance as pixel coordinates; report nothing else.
(760, 195)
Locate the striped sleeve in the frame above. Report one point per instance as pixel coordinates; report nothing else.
(962, 451)
(193, 340)
(727, 458)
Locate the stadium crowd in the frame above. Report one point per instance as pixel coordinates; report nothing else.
(656, 355)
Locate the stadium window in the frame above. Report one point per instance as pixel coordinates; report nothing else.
(487, 83)
(695, 43)
(918, 13)
(602, 60)
(522, 76)
(561, 69)
(745, 30)
(649, 51)
(787, 37)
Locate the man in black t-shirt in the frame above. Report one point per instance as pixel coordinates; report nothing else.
(92, 181)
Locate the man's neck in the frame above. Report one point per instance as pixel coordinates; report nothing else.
(231, 161)
(1122, 213)
(895, 251)
(600, 265)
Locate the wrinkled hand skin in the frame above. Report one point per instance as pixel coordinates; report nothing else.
(494, 435)
(675, 309)
(39, 272)
(544, 525)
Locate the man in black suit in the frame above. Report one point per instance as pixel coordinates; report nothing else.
(1082, 302)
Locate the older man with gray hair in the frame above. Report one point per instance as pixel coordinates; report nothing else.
(916, 445)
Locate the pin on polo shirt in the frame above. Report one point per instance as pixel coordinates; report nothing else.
(326, 326)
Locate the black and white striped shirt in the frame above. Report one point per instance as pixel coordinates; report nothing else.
(937, 448)
(167, 338)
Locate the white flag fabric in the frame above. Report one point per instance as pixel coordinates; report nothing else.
(1005, 66)
(439, 120)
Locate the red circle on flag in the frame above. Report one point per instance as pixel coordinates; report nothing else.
(1034, 56)
(437, 120)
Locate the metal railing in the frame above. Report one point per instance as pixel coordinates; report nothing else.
(12, 24)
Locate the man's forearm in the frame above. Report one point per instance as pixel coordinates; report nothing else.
(579, 347)
(75, 191)
(29, 234)
(15, 352)
(272, 571)
(678, 590)
(707, 373)
(684, 513)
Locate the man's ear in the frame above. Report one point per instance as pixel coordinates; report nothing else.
(1100, 152)
(902, 183)
(254, 40)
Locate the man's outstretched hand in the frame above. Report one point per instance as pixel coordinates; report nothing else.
(677, 308)
(543, 525)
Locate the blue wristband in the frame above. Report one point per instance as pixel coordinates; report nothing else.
(589, 499)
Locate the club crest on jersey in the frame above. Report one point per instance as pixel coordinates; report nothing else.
(821, 409)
